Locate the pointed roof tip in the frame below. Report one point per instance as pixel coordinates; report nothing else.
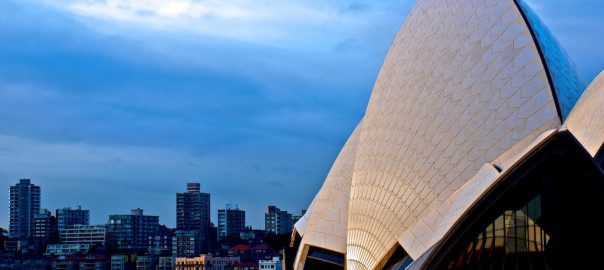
(586, 120)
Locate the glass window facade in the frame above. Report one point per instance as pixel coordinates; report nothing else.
(513, 238)
(544, 214)
(399, 260)
(319, 258)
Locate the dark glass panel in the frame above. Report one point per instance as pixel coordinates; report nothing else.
(544, 214)
(319, 258)
(514, 238)
(399, 260)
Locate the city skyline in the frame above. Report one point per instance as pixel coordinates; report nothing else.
(81, 215)
(37, 239)
(79, 138)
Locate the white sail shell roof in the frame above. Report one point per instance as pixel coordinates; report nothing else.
(586, 120)
(326, 225)
(464, 94)
(462, 84)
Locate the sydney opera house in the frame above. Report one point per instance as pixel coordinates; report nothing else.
(481, 148)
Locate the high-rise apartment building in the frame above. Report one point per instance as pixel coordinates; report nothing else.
(231, 221)
(45, 226)
(295, 218)
(24, 205)
(277, 221)
(68, 217)
(193, 210)
(132, 231)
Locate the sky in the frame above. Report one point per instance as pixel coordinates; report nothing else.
(117, 104)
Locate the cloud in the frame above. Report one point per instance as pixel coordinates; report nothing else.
(98, 177)
(257, 22)
(278, 23)
(131, 99)
(114, 178)
(125, 115)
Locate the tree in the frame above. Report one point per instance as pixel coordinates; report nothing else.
(3, 237)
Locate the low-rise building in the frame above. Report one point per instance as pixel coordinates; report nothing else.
(146, 262)
(67, 249)
(250, 234)
(166, 263)
(263, 251)
(245, 266)
(274, 264)
(123, 262)
(239, 250)
(84, 234)
(97, 262)
(14, 245)
(8, 259)
(187, 243)
(79, 262)
(35, 264)
(65, 264)
(224, 263)
(67, 217)
(206, 262)
(160, 243)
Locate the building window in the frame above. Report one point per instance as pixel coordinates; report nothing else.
(319, 258)
(513, 238)
(542, 214)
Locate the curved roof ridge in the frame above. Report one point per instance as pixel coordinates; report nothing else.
(562, 73)
(585, 121)
(326, 225)
(462, 83)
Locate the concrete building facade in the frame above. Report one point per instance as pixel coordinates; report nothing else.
(68, 217)
(84, 234)
(231, 221)
(277, 221)
(24, 201)
(193, 210)
(45, 226)
(187, 244)
(132, 231)
(206, 262)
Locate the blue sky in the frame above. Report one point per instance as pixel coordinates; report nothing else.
(114, 105)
